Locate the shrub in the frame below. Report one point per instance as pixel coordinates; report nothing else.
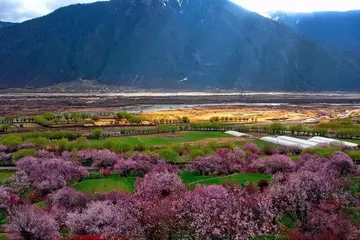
(251, 147)
(110, 144)
(81, 143)
(124, 147)
(5, 157)
(169, 155)
(27, 145)
(39, 141)
(178, 148)
(12, 140)
(223, 163)
(97, 134)
(23, 153)
(68, 198)
(159, 185)
(140, 147)
(61, 143)
(129, 167)
(95, 118)
(274, 164)
(45, 154)
(108, 218)
(29, 222)
(268, 149)
(196, 153)
(213, 145)
(3, 148)
(46, 175)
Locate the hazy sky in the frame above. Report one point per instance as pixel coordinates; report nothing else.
(263, 6)
(20, 10)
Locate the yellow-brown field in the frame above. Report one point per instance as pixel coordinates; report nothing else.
(260, 114)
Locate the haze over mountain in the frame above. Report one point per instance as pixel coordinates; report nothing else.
(340, 29)
(170, 44)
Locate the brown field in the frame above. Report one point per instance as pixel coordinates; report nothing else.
(261, 114)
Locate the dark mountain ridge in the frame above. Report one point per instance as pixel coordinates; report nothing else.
(6, 24)
(170, 44)
(339, 29)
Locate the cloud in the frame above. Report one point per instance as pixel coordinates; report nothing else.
(21, 10)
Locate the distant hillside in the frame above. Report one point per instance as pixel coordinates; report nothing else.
(6, 24)
(341, 29)
(170, 44)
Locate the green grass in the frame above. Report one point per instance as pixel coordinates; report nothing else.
(191, 179)
(5, 175)
(106, 185)
(351, 140)
(41, 204)
(289, 220)
(3, 236)
(355, 214)
(355, 188)
(126, 184)
(168, 139)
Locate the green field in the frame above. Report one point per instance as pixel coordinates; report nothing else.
(5, 175)
(106, 185)
(167, 139)
(351, 140)
(126, 184)
(356, 186)
(241, 178)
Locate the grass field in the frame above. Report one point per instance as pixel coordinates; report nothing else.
(241, 178)
(168, 139)
(5, 175)
(106, 185)
(356, 186)
(126, 184)
(351, 140)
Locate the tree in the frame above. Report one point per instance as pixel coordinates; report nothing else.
(48, 115)
(159, 185)
(127, 167)
(5, 198)
(214, 119)
(69, 199)
(251, 147)
(326, 222)
(66, 116)
(95, 117)
(46, 175)
(30, 223)
(224, 162)
(97, 134)
(169, 155)
(274, 164)
(104, 158)
(217, 212)
(108, 219)
(185, 119)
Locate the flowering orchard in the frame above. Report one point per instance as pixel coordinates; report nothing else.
(315, 193)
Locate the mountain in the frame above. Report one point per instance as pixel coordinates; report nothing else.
(177, 44)
(6, 24)
(339, 29)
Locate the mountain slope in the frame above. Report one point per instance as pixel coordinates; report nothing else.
(170, 44)
(6, 24)
(340, 29)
